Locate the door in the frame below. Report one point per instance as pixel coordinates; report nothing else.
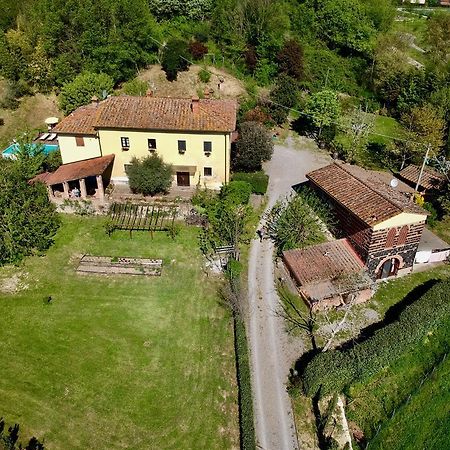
(389, 268)
(183, 179)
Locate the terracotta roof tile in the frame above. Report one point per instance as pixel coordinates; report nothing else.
(372, 200)
(80, 169)
(431, 180)
(322, 262)
(152, 113)
(81, 121)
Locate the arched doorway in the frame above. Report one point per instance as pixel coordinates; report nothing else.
(389, 268)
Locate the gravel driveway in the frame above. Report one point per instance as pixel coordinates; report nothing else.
(272, 349)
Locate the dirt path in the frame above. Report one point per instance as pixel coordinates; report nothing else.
(272, 349)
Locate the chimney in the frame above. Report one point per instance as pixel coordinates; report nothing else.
(149, 93)
(195, 105)
(95, 100)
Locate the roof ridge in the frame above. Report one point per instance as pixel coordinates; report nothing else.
(369, 187)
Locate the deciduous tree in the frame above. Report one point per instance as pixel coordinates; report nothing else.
(253, 147)
(81, 90)
(150, 175)
(175, 58)
(28, 221)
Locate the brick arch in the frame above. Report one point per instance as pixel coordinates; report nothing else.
(381, 263)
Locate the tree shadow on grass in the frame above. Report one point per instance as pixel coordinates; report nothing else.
(391, 315)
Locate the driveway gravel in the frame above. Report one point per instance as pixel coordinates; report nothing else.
(272, 350)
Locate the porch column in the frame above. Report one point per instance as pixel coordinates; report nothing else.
(83, 188)
(100, 188)
(66, 189)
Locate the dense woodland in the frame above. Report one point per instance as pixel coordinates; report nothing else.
(334, 61)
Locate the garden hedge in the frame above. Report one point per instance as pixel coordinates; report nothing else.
(247, 429)
(257, 180)
(332, 371)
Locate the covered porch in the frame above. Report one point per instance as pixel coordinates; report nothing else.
(81, 179)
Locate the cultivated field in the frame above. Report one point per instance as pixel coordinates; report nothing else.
(117, 361)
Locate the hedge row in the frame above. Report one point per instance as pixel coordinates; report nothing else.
(257, 180)
(247, 429)
(333, 370)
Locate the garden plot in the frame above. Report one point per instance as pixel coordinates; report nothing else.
(107, 265)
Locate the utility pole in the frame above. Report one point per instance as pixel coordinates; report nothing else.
(423, 167)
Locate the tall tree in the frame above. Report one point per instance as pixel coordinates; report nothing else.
(345, 25)
(28, 221)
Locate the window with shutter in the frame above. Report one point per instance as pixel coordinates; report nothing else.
(181, 146)
(125, 142)
(79, 141)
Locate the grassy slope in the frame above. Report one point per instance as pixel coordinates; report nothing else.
(118, 362)
(390, 386)
(29, 116)
(424, 422)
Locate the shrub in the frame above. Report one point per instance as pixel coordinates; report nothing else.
(257, 115)
(197, 49)
(150, 175)
(236, 192)
(290, 59)
(247, 430)
(81, 90)
(284, 96)
(332, 371)
(204, 76)
(257, 180)
(175, 58)
(253, 147)
(135, 87)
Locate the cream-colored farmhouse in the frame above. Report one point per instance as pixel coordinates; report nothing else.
(194, 135)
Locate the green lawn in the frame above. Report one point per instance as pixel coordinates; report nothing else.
(116, 361)
(386, 126)
(425, 421)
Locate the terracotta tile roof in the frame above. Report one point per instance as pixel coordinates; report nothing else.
(370, 199)
(81, 121)
(43, 177)
(80, 169)
(322, 262)
(154, 113)
(431, 180)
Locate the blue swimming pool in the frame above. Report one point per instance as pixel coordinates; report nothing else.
(10, 151)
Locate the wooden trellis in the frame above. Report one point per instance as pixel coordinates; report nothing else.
(143, 217)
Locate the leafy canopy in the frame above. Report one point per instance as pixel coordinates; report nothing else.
(149, 175)
(253, 147)
(81, 90)
(323, 107)
(175, 58)
(28, 221)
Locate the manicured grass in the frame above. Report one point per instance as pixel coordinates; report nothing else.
(424, 422)
(386, 126)
(391, 292)
(117, 361)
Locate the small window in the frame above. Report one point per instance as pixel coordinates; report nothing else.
(151, 145)
(181, 146)
(390, 239)
(79, 141)
(126, 167)
(207, 146)
(125, 141)
(207, 171)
